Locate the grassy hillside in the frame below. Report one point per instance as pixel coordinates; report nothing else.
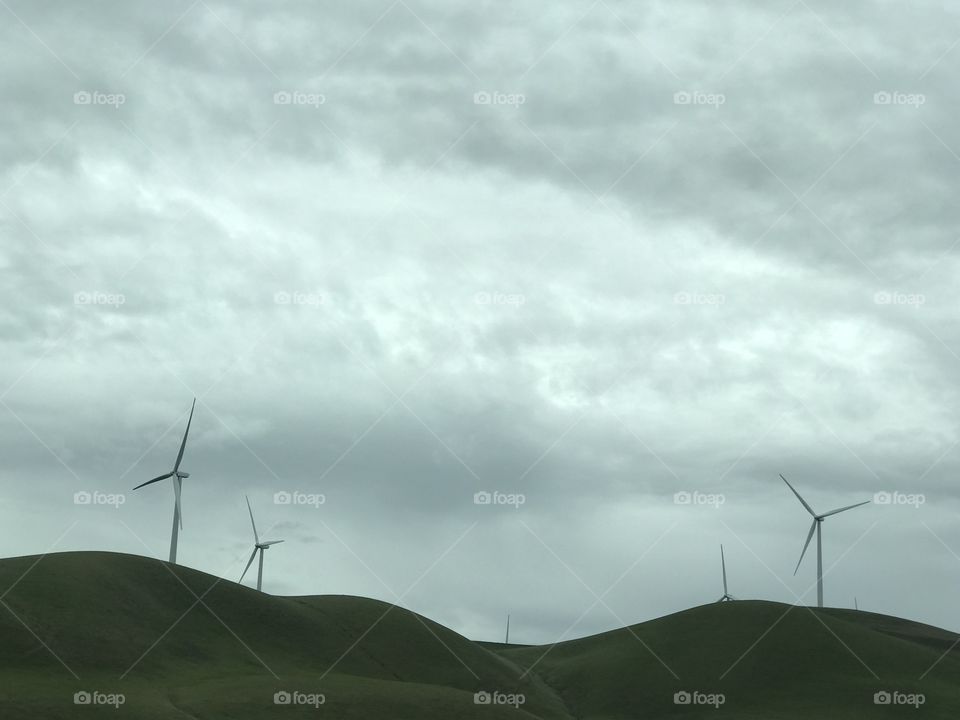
(767, 659)
(133, 625)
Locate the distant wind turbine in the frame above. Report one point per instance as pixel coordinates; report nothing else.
(816, 525)
(726, 597)
(178, 477)
(257, 547)
(507, 641)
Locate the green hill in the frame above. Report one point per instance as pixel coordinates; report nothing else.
(133, 625)
(768, 660)
(124, 624)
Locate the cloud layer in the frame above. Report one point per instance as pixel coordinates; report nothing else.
(406, 252)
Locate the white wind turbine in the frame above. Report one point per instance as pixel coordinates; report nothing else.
(816, 525)
(257, 547)
(177, 477)
(726, 597)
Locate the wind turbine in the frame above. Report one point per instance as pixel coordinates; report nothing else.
(726, 597)
(257, 547)
(507, 641)
(817, 522)
(177, 475)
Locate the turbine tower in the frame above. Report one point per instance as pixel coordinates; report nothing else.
(726, 597)
(507, 641)
(816, 525)
(177, 475)
(257, 547)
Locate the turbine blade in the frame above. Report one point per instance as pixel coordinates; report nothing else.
(176, 491)
(805, 546)
(848, 507)
(255, 536)
(156, 479)
(249, 563)
(183, 443)
(809, 509)
(268, 543)
(724, 564)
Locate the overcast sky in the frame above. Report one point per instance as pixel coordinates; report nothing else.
(592, 253)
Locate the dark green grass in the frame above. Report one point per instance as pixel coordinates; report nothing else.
(769, 661)
(133, 625)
